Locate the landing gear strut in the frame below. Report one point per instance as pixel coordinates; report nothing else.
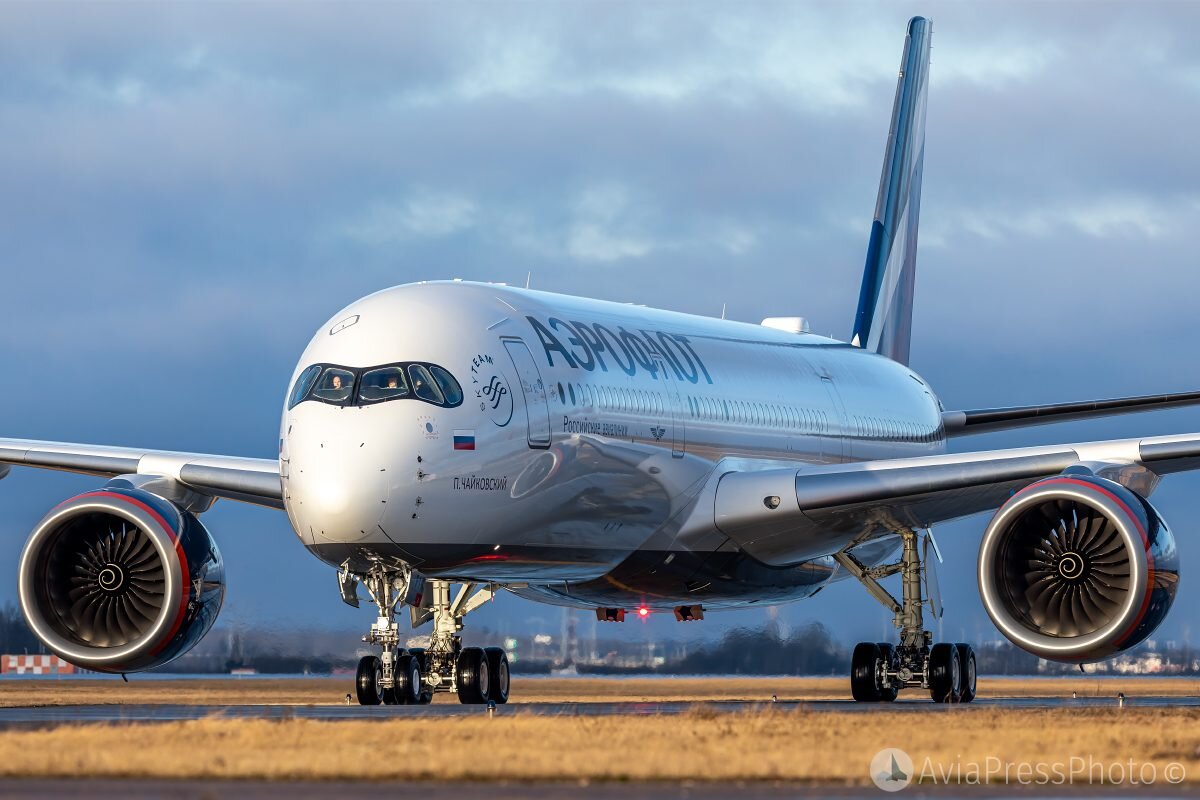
(394, 677)
(475, 674)
(878, 671)
(400, 677)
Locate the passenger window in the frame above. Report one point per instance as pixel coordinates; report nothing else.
(336, 386)
(452, 391)
(385, 383)
(303, 384)
(423, 385)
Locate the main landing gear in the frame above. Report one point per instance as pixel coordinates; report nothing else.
(878, 671)
(411, 677)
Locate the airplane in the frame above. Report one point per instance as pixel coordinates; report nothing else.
(444, 441)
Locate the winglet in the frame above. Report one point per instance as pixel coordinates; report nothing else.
(884, 319)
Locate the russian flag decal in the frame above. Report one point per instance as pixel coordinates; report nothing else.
(464, 440)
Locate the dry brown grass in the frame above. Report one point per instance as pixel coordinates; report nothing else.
(793, 744)
(332, 691)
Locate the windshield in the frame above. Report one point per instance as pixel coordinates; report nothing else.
(423, 385)
(445, 381)
(335, 386)
(346, 386)
(303, 384)
(382, 384)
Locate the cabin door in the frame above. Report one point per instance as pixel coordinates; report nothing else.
(678, 416)
(537, 406)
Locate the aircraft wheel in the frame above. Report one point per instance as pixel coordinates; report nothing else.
(966, 663)
(498, 681)
(368, 680)
(863, 663)
(887, 654)
(945, 674)
(408, 680)
(474, 682)
(425, 695)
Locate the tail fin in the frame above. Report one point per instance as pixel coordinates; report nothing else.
(884, 319)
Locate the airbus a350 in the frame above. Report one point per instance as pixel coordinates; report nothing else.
(444, 442)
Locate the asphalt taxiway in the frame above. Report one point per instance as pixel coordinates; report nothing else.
(24, 717)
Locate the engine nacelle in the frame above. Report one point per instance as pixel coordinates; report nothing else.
(1077, 568)
(120, 580)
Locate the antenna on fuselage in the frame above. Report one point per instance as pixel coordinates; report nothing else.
(528, 278)
(722, 310)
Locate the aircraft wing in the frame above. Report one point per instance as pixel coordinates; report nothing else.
(250, 480)
(819, 510)
(986, 420)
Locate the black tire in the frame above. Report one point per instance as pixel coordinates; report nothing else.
(887, 653)
(408, 681)
(425, 696)
(945, 681)
(498, 677)
(366, 682)
(472, 676)
(966, 664)
(863, 686)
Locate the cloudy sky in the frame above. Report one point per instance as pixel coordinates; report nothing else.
(189, 191)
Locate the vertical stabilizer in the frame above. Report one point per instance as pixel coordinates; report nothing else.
(884, 319)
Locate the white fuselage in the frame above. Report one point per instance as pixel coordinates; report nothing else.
(582, 456)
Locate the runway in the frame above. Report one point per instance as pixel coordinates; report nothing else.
(26, 717)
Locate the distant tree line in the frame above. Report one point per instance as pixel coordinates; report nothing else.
(811, 650)
(15, 636)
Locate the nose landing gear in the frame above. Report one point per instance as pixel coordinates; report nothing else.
(412, 677)
(394, 677)
(878, 671)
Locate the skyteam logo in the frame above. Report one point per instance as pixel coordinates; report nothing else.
(891, 769)
(491, 390)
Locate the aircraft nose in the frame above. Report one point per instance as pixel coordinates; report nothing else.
(338, 486)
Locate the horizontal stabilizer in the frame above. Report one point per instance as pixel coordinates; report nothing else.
(962, 423)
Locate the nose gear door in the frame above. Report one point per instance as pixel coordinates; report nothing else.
(537, 407)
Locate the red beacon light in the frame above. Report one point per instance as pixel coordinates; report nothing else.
(643, 612)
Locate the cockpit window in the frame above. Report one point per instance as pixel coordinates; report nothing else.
(423, 385)
(336, 385)
(445, 381)
(303, 384)
(385, 383)
(344, 386)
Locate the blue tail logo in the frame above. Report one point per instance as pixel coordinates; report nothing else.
(884, 319)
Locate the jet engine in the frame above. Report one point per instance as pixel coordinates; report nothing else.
(120, 580)
(1077, 568)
